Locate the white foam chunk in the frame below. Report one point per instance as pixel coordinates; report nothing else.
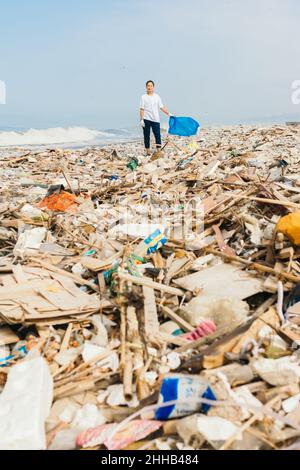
(24, 406)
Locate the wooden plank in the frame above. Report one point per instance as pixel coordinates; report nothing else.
(19, 274)
(14, 314)
(102, 285)
(175, 267)
(150, 312)
(8, 281)
(65, 341)
(36, 272)
(77, 279)
(61, 298)
(15, 291)
(70, 286)
(36, 301)
(96, 264)
(29, 309)
(59, 314)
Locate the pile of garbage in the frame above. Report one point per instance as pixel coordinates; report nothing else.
(152, 303)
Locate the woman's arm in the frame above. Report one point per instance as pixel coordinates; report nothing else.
(164, 109)
(142, 112)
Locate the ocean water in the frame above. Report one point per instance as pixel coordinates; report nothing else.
(71, 137)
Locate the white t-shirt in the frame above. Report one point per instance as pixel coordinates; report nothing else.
(151, 105)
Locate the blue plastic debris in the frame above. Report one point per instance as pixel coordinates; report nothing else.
(183, 126)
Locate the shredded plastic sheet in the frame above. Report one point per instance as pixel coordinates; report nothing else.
(134, 431)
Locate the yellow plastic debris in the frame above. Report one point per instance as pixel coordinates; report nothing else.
(289, 225)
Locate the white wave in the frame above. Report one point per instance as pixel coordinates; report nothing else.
(55, 135)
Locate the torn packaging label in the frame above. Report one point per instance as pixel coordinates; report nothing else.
(188, 390)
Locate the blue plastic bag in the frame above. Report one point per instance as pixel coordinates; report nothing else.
(183, 126)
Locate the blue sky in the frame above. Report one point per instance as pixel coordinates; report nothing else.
(85, 62)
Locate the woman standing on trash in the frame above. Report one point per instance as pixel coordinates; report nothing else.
(150, 106)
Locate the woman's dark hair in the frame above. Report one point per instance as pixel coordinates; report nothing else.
(150, 81)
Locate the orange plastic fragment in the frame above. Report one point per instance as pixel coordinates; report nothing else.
(61, 202)
(289, 225)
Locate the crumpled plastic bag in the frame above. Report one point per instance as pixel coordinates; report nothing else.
(228, 312)
(183, 126)
(29, 241)
(61, 202)
(132, 432)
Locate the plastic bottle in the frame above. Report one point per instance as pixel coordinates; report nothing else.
(150, 244)
(133, 163)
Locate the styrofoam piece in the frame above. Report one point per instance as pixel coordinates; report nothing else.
(173, 360)
(101, 337)
(114, 396)
(67, 356)
(29, 240)
(31, 212)
(213, 428)
(277, 372)
(88, 416)
(91, 351)
(24, 406)
(290, 404)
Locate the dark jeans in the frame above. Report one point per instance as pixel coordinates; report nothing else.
(155, 126)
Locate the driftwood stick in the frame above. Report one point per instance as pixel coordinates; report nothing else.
(122, 327)
(177, 319)
(273, 201)
(84, 365)
(128, 375)
(255, 266)
(144, 281)
(74, 388)
(133, 336)
(67, 180)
